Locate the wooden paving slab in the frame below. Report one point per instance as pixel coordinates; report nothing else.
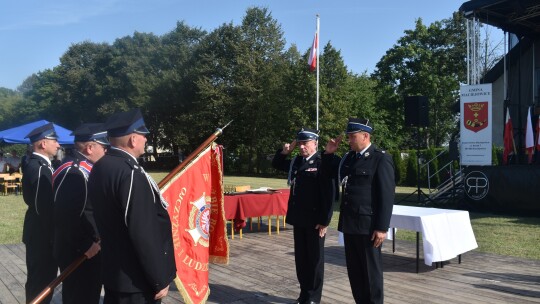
(261, 270)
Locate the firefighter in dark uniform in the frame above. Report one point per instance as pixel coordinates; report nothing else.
(74, 225)
(368, 186)
(309, 211)
(38, 221)
(131, 216)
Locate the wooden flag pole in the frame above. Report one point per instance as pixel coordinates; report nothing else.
(63, 275)
(192, 156)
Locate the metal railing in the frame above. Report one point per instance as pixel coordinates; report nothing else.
(450, 184)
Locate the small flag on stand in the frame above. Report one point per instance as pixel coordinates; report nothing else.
(509, 145)
(529, 137)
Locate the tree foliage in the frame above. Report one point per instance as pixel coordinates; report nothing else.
(188, 82)
(427, 61)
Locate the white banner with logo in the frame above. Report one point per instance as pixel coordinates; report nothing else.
(475, 125)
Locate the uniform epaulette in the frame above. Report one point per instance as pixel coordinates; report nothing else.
(132, 164)
(379, 150)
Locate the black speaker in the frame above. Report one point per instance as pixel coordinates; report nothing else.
(416, 111)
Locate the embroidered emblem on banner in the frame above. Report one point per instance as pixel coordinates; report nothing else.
(475, 117)
(199, 220)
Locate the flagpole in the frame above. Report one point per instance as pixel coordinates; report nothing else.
(63, 275)
(192, 156)
(318, 64)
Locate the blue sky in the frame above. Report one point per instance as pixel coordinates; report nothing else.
(34, 34)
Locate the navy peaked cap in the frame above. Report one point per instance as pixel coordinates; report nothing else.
(357, 125)
(91, 132)
(307, 134)
(125, 123)
(45, 131)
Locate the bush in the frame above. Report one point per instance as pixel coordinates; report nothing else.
(411, 175)
(399, 165)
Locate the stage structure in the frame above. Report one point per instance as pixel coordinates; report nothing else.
(514, 87)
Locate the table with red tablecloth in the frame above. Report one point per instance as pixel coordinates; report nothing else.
(238, 207)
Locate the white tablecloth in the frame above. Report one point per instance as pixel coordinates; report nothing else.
(446, 233)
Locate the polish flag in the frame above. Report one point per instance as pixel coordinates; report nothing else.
(509, 146)
(529, 137)
(312, 61)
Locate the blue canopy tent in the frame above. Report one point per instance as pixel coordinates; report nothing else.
(16, 135)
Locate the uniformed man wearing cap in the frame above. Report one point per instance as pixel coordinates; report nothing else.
(309, 211)
(75, 228)
(368, 186)
(131, 217)
(38, 222)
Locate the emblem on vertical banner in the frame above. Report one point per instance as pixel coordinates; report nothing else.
(475, 116)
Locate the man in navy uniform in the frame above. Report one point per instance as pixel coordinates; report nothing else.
(309, 211)
(75, 228)
(367, 177)
(38, 221)
(131, 217)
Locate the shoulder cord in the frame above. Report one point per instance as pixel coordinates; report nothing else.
(37, 188)
(85, 176)
(344, 180)
(289, 181)
(129, 196)
(153, 185)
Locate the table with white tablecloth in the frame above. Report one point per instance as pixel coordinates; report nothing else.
(446, 233)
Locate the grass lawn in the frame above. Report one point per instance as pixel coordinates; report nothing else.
(12, 209)
(497, 234)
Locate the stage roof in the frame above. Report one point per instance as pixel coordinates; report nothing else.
(520, 17)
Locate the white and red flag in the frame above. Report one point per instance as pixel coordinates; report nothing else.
(529, 137)
(312, 60)
(509, 145)
(195, 195)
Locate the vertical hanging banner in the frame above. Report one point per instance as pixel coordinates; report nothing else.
(475, 125)
(196, 209)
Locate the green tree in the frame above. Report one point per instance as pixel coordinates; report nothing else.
(73, 92)
(174, 93)
(240, 77)
(428, 61)
(9, 101)
(411, 176)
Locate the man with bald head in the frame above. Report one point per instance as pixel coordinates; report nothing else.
(131, 217)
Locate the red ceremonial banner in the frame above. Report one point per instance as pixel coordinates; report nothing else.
(476, 115)
(195, 197)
